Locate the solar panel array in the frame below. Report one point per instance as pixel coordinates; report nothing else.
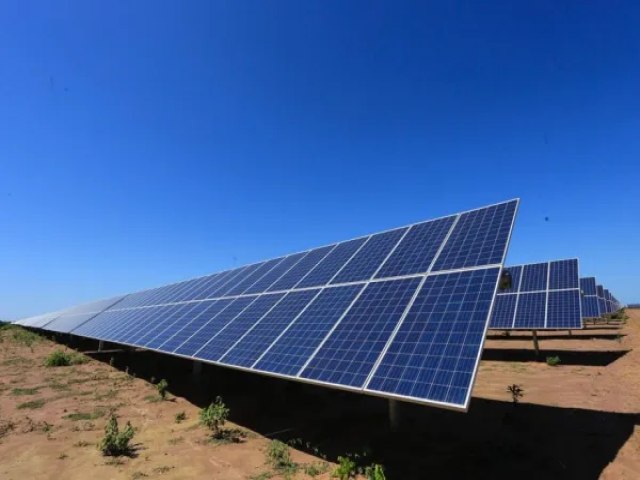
(401, 314)
(590, 304)
(541, 296)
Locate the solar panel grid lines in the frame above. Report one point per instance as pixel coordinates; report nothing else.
(207, 331)
(349, 353)
(248, 348)
(435, 354)
(531, 311)
(218, 345)
(433, 261)
(515, 311)
(546, 301)
(298, 343)
(249, 331)
(366, 262)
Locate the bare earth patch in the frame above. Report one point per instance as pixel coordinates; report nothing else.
(587, 407)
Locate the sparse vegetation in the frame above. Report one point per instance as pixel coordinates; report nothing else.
(346, 469)
(25, 391)
(77, 416)
(516, 391)
(375, 472)
(116, 443)
(32, 405)
(553, 361)
(181, 417)
(60, 358)
(279, 457)
(214, 417)
(162, 386)
(19, 335)
(315, 469)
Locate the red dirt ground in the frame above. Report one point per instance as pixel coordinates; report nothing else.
(579, 419)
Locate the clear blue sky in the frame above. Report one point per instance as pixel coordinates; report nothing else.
(147, 142)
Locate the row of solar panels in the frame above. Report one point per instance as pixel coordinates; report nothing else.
(549, 295)
(402, 314)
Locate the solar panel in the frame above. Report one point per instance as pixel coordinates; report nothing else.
(541, 296)
(590, 304)
(400, 313)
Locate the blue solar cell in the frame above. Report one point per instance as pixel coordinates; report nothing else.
(138, 318)
(530, 312)
(205, 332)
(266, 267)
(274, 274)
(563, 309)
(232, 332)
(303, 267)
(184, 291)
(479, 238)
(600, 291)
(563, 274)
(504, 310)
(590, 306)
(534, 277)
(293, 349)
(436, 349)
(331, 264)
(179, 321)
(416, 251)
(369, 258)
(588, 285)
(241, 279)
(349, 353)
(106, 326)
(255, 342)
(177, 336)
(209, 289)
(516, 273)
(206, 284)
(155, 324)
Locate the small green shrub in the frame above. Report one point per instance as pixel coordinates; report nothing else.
(25, 391)
(58, 358)
(315, 469)
(32, 405)
(181, 417)
(375, 472)
(279, 457)
(516, 392)
(346, 469)
(162, 388)
(553, 361)
(78, 416)
(214, 417)
(116, 443)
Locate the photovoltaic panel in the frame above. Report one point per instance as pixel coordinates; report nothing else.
(531, 310)
(331, 264)
(590, 307)
(350, 351)
(181, 333)
(535, 308)
(590, 304)
(231, 333)
(436, 349)
(336, 315)
(257, 339)
(534, 277)
(418, 249)
(369, 258)
(563, 309)
(504, 310)
(300, 269)
(295, 346)
(479, 238)
(212, 327)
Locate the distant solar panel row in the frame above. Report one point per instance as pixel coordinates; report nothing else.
(541, 296)
(401, 313)
(590, 304)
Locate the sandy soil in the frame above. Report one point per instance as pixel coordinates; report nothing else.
(579, 419)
